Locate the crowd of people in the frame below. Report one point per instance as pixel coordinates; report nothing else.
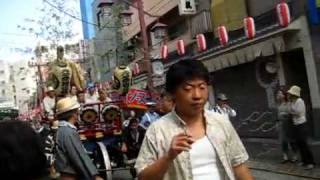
(179, 137)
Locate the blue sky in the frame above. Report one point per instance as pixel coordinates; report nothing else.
(13, 13)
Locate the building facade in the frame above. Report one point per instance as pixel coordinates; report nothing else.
(5, 91)
(87, 17)
(109, 49)
(249, 71)
(23, 84)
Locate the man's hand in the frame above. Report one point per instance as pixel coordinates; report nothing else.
(124, 148)
(98, 178)
(179, 143)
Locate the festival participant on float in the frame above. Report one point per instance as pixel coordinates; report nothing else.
(49, 103)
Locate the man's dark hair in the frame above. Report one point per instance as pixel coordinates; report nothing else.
(67, 115)
(21, 152)
(183, 71)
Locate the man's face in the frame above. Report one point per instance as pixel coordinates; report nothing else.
(167, 104)
(191, 96)
(91, 91)
(81, 97)
(102, 95)
(51, 94)
(73, 90)
(222, 103)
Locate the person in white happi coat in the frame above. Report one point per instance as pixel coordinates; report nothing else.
(49, 103)
(223, 106)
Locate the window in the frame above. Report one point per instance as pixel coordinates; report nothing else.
(3, 92)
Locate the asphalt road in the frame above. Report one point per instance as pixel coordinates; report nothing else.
(259, 175)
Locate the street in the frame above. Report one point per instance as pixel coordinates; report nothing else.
(258, 174)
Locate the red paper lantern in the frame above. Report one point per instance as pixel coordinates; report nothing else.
(164, 52)
(181, 48)
(283, 12)
(249, 27)
(223, 35)
(136, 69)
(201, 41)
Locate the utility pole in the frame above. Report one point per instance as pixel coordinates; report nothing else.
(146, 54)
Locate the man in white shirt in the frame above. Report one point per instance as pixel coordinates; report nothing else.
(191, 143)
(92, 96)
(223, 107)
(49, 103)
(297, 109)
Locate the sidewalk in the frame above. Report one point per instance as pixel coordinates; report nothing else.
(265, 155)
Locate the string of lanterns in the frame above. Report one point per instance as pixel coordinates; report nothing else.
(284, 18)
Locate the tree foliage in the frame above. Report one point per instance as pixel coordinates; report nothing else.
(55, 22)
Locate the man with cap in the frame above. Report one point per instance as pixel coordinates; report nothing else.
(150, 116)
(49, 103)
(223, 107)
(72, 161)
(297, 109)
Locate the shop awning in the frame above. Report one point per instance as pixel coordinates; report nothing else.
(245, 54)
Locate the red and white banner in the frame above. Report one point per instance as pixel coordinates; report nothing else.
(202, 43)
(249, 27)
(164, 52)
(283, 12)
(223, 35)
(181, 47)
(136, 69)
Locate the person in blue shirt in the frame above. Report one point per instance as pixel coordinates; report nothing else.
(150, 116)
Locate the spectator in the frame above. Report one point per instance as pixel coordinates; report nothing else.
(21, 152)
(223, 106)
(132, 139)
(297, 109)
(150, 116)
(166, 103)
(72, 161)
(285, 128)
(190, 142)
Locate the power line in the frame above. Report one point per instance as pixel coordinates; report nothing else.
(79, 19)
(72, 16)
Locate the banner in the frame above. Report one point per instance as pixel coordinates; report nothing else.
(135, 98)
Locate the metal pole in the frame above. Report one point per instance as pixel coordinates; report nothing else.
(146, 55)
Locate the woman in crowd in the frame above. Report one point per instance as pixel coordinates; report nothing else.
(285, 128)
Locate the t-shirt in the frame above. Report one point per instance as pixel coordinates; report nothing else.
(204, 161)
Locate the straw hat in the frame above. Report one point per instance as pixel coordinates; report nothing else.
(295, 90)
(66, 104)
(222, 97)
(50, 88)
